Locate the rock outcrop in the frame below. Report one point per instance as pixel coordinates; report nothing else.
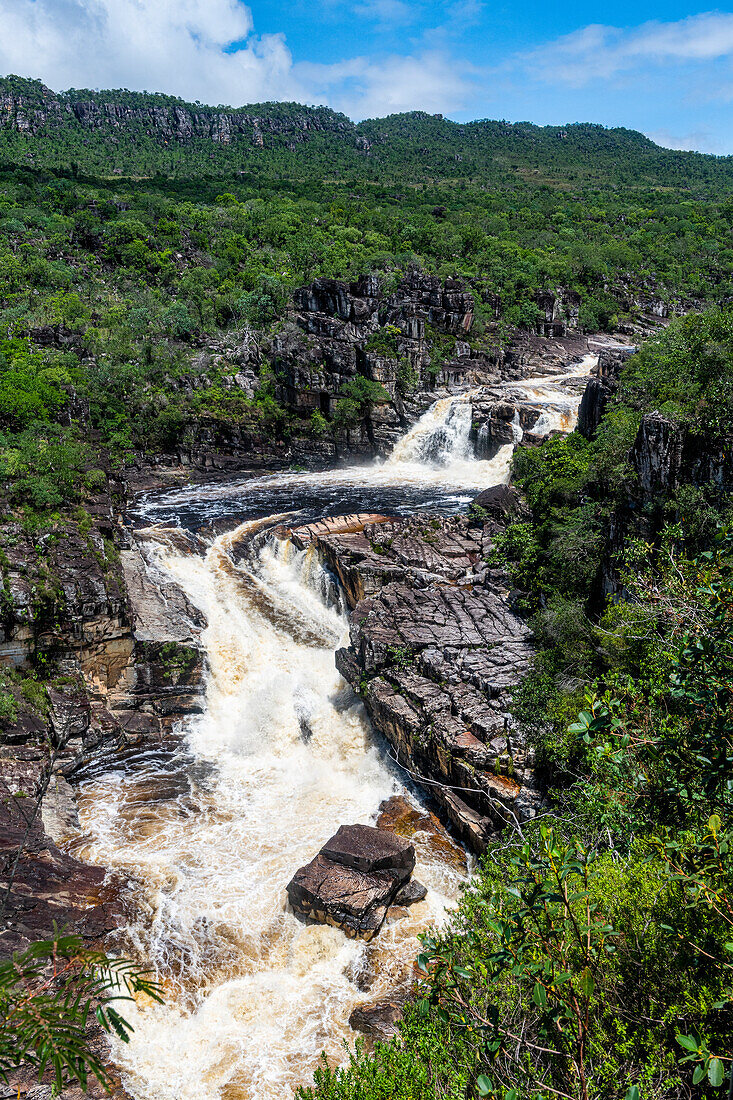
(601, 388)
(560, 310)
(435, 652)
(354, 879)
(41, 885)
(339, 330)
(80, 601)
(378, 1020)
(29, 107)
(666, 455)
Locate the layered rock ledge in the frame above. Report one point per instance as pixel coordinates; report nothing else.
(435, 652)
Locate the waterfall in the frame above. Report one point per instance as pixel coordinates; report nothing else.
(282, 756)
(209, 832)
(558, 418)
(441, 436)
(439, 448)
(560, 412)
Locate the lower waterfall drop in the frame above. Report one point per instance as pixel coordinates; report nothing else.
(213, 836)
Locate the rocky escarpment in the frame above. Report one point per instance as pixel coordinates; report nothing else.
(99, 656)
(339, 330)
(666, 455)
(40, 885)
(67, 606)
(29, 107)
(435, 650)
(410, 338)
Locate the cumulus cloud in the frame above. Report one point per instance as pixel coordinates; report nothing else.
(177, 46)
(599, 51)
(210, 51)
(364, 88)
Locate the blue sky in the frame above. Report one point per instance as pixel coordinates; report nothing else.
(666, 70)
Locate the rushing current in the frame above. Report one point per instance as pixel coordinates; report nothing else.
(209, 833)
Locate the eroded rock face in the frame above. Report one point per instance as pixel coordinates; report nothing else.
(435, 652)
(353, 880)
(666, 455)
(375, 551)
(341, 329)
(601, 388)
(47, 886)
(37, 109)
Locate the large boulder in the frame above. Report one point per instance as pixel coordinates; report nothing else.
(353, 880)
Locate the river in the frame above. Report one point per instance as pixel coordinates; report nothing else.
(209, 833)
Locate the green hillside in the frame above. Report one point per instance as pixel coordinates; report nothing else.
(136, 133)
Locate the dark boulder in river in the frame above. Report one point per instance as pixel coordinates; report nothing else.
(353, 880)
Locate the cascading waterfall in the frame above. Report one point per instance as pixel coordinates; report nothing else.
(210, 833)
(561, 411)
(283, 756)
(440, 445)
(441, 436)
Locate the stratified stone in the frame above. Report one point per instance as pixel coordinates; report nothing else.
(353, 880)
(378, 1019)
(436, 651)
(368, 849)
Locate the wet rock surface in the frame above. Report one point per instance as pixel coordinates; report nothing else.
(378, 1019)
(353, 880)
(375, 551)
(45, 886)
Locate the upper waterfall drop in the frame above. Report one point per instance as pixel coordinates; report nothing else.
(439, 449)
(441, 436)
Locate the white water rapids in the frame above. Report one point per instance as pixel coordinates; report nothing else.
(211, 836)
(253, 995)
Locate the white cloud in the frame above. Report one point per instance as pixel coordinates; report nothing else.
(176, 46)
(364, 88)
(598, 51)
(209, 51)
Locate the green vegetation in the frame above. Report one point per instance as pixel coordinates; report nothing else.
(590, 957)
(360, 396)
(48, 996)
(111, 285)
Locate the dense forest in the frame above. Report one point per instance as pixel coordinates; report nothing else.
(592, 953)
(134, 275)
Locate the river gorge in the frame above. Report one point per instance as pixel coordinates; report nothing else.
(206, 830)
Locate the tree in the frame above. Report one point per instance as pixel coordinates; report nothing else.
(49, 996)
(360, 395)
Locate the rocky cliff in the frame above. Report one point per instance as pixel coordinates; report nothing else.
(435, 650)
(601, 388)
(99, 655)
(29, 107)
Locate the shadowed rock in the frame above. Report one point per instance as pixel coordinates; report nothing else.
(378, 1019)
